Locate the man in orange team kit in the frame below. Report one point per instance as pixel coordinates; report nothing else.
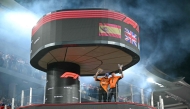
(104, 82)
(113, 82)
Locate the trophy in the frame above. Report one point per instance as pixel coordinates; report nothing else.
(100, 70)
(120, 66)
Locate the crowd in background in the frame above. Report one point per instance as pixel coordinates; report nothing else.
(4, 100)
(7, 101)
(19, 65)
(36, 99)
(92, 90)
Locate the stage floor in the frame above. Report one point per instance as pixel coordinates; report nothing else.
(97, 105)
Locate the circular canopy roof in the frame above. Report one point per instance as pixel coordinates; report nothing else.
(91, 38)
(89, 58)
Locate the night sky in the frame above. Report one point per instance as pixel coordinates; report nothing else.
(164, 28)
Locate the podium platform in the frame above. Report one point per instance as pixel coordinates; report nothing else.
(95, 105)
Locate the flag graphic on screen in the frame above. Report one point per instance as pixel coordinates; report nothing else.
(138, 43)
(112, 30)
(130, 37)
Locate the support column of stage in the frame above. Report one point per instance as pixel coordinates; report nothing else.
(62, 83)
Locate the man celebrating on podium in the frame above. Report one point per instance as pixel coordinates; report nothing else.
(113, 84)
(104, 82)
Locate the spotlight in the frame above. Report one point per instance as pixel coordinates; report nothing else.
(150, 80)
(22, 19)
(167, 96)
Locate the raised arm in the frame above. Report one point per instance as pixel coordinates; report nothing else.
(98, 71)
(121, 73)
(120, 70)
(96, 75)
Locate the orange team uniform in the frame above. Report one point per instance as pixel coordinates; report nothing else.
(112, 91)
(104, 82)
(113, 81)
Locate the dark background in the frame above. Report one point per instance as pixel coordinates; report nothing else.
(164, 28)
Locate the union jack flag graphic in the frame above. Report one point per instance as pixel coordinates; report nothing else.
(138, 43)
(130, 37)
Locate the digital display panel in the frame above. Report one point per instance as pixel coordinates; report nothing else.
(69, 31)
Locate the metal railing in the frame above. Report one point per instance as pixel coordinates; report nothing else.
(125, 93)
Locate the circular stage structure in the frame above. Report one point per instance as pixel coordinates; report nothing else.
(76, 42)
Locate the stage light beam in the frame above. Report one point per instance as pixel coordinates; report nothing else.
(150, 80)
(21, 20)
